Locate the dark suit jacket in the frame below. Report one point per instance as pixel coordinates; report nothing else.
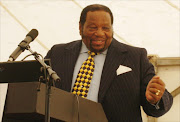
(121, 96)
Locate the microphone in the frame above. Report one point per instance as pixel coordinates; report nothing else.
(23, 44)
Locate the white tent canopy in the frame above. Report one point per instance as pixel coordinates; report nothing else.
(152, 24)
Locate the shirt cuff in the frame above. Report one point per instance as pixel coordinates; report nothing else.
(156, 105)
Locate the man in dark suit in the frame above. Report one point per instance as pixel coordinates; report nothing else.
(123, 78)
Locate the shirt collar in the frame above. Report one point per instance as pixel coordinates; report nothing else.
(84, 49)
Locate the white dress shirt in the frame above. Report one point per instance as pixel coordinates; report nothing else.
(95, 82)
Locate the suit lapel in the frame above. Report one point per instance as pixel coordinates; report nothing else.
(115, 57)
(71, 55)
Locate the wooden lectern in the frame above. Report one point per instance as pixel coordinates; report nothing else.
(25, 104)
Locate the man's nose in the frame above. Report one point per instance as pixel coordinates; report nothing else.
(99, 32)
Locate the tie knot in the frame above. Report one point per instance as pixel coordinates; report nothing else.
(92, 53)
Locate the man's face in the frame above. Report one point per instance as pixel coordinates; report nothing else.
(97, 31)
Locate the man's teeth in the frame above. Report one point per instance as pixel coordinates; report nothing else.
(99, 41)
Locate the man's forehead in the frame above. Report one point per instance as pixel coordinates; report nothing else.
(95, 15)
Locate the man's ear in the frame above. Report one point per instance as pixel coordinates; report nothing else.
(80, 29)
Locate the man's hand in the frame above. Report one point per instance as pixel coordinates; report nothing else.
(155, 90)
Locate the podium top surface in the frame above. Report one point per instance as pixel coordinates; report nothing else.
(21, 71)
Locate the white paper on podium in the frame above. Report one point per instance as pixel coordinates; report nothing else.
(3, 92)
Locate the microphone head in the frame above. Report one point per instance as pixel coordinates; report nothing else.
(33, 34)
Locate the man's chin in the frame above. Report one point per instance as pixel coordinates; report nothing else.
(97, 50)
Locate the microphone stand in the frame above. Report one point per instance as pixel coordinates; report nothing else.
(52, 76)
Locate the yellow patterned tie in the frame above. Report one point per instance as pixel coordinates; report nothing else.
(83, 80)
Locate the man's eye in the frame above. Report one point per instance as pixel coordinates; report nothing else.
(106, 28)
(92, 27)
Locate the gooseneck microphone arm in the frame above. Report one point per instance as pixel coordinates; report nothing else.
(51, 73)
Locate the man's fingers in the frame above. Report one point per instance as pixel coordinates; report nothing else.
(156, 92)
(152, 98)
(155, 85)
(155, 89)
(156, 77)
(158, 81)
